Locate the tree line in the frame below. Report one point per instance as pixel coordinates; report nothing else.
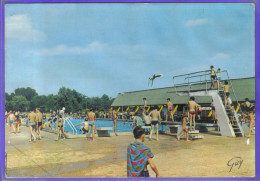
(26, 99)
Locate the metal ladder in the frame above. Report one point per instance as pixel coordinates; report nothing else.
(237, 128)
(68, 121)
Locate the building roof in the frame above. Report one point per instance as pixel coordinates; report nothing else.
(243, 88)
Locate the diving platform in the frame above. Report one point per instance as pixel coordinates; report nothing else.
(224, 114)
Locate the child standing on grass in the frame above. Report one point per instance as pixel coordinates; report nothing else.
(139, 156)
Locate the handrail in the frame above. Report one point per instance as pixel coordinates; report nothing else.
(70, 124)
(191, 73)
(232, 86)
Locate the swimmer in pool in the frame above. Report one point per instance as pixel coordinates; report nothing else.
(192, 111)
(170, 108)
(156, 117)
(92, 118)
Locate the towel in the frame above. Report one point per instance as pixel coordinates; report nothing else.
(137, 158)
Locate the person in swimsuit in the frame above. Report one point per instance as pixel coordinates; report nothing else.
(226, 91)
(214, 116)
(170, 108)
(139, 156)
(91, 124)
(32, 124)
(213, 76)
(156, 119)
(147, 120)
(251, 116)
(247, 105)
(232, 115)
(17, 123)
(39, 121)
(184, 127)
(85, 128)
(114, 117)
(48, 124)
(11, 119)
(60, 127)
(199, 111)
(192, 111)
(218, 77)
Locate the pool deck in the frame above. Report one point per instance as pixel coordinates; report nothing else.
(107, 156)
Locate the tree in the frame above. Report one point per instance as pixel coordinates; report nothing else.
(20, 103)
(39, 102)
(28, 93)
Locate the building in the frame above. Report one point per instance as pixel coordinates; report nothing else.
(243, 88)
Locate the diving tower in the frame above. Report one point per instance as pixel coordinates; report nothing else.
(223, 114)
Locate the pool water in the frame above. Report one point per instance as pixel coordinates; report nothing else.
(122, 126)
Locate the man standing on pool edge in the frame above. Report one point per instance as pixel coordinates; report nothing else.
(114, 116)
(92, 118)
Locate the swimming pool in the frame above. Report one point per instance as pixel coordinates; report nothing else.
(122, 126)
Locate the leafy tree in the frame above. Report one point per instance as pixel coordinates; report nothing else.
(8, 97)
(20, 103)
(8, 106)
(28, 93)
(39, 102)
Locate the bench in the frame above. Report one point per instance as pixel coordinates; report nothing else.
(103, 131)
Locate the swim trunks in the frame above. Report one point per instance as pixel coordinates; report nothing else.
(17, 123)
(213, 76)
(171, 108)
(192, 112)
(154, 122)
(227, 94)
(39, 123)
(200, 111)
(114, 119)
(60, 126)
(218, 78)
(32, 124)
(90, 123)
(11, 121)
(213, 108)
(147, 124)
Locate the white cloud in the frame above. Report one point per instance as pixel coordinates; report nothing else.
(64, 49)
(196, 22)
(220, 56)
(20, 27)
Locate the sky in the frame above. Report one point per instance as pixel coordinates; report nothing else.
(100, 48)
